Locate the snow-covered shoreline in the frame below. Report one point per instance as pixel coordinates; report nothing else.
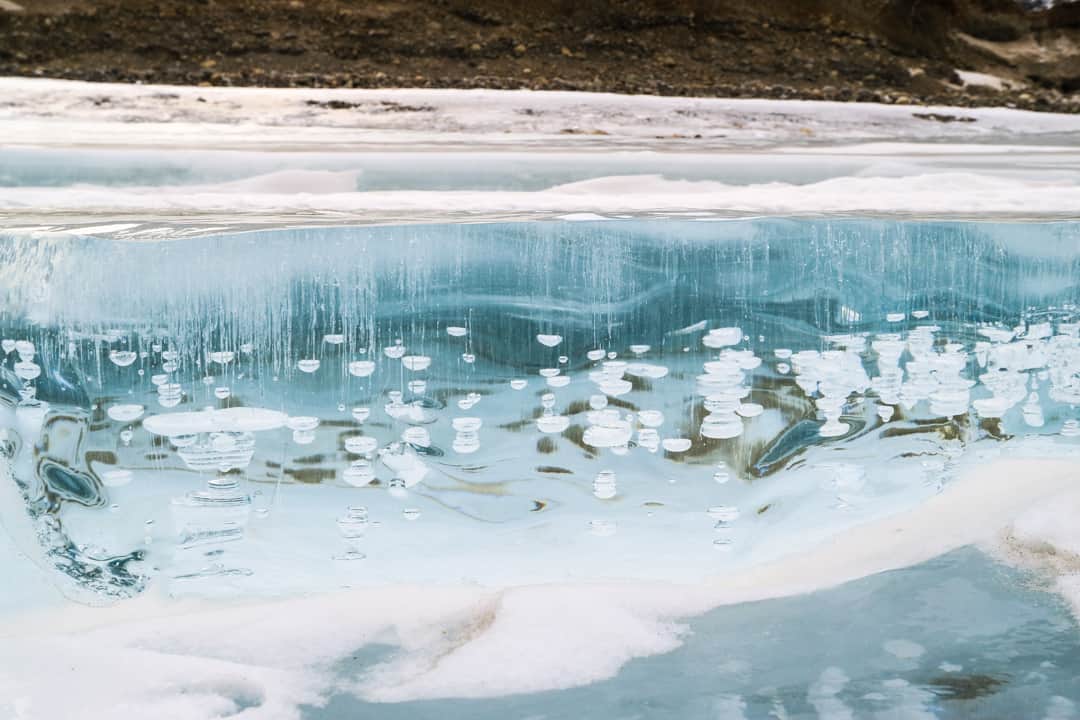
(42, 112)
(305, 156)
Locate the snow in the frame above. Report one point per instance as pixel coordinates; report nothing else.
(300, 162)
(198, 658)
(1046, 538)
(51, 113)
(308, 195)
(979, 79)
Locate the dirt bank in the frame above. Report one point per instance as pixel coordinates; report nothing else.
(899, 51)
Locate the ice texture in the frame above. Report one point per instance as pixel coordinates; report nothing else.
(514, 402)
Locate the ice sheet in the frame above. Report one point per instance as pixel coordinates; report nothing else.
(468, 617)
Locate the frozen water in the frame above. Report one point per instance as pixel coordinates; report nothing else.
(973, 643)
(527, 403)
(763, 347)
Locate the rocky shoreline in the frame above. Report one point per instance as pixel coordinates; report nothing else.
(943, 52)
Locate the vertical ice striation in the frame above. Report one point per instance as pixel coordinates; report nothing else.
(156, 399)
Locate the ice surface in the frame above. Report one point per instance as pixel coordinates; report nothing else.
(298, 196)
(251, 387)
(223, 157)
(998, 650)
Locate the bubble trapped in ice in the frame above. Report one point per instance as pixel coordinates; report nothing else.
(483, 402)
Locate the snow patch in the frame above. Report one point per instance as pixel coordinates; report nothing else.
(970, 78)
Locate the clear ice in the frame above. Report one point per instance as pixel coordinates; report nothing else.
(243, 412)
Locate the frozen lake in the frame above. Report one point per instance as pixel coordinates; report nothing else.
(317, 417)
(692, 386)
(958, 637)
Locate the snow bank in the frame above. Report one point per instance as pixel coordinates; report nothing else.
(65, 113)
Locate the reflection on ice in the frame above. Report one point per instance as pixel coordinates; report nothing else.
(784, 377)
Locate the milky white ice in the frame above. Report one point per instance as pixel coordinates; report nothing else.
(355, 159)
